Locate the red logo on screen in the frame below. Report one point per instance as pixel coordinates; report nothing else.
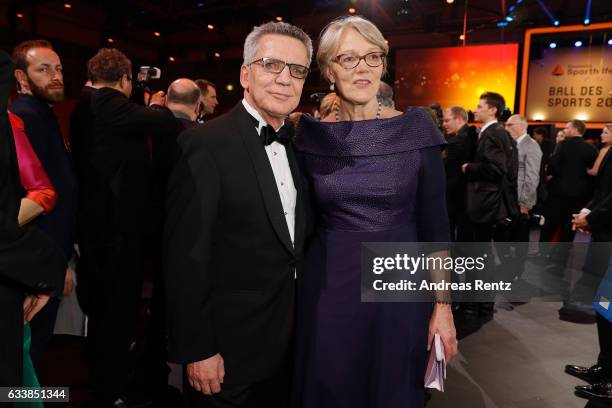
(558, 70)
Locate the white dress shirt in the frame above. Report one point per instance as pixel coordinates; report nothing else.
(277, 155)
(486, 125)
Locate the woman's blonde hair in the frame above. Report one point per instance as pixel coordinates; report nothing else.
(330, 37)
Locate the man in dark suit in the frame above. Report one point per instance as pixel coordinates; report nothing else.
(113, 218)
(40, 84)
(31, 263)
(183, 100)
(235, 232)
(570, 187)
(460, 149)
(597, 218)
(492, 197)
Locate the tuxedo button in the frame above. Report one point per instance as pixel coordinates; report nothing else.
(274, 153)
(286, 213)
(282, 184)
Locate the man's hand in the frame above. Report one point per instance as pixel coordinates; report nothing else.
(68, 282)
(464, 167)
(207, 375)
(32, 305)
(579, 222)
(442, 323)
(157, 98)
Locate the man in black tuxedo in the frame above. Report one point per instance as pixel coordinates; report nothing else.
(235, 233)
(492, 176)
(183, 100)
(113, 218)
(492, 197)
(570, 187)
(460, 149)
(597, 218)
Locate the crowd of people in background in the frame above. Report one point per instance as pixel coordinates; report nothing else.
(108, 193)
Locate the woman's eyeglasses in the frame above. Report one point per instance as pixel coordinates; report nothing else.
(350, 61)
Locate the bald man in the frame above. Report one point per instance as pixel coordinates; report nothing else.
(183, 100)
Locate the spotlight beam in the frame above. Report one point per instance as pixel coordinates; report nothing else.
(587, 16)
(547, 11)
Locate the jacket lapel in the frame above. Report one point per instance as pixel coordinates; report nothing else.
(264, 174)
(300, 211)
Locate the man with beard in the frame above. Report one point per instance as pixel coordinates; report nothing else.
(40, 84)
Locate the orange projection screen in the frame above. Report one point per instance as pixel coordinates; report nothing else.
(456, 75)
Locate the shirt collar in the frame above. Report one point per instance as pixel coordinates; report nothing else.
(253, 112)
(486, 125)
(180, 115)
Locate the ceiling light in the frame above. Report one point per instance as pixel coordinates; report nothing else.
(352, 10)
(211, 27)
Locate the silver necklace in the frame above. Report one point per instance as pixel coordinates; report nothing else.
(378, 111)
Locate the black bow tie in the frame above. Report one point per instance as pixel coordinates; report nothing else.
(283, 136)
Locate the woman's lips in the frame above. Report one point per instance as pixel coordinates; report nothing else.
(362, 83)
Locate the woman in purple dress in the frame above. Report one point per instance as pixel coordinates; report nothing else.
(376, 175)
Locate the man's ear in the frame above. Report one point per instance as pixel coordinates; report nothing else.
(244, 77)
(21, 78)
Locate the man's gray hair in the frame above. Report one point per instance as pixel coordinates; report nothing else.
(519, 119)
(252, 40)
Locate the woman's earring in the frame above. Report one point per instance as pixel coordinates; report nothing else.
(331, 87)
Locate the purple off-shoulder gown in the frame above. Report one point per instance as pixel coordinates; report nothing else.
(377, 181)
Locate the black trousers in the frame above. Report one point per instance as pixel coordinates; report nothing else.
(110, 280)
(604, 332)
(274, 392)
(558, 214)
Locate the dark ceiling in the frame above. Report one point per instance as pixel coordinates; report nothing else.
(184, 33)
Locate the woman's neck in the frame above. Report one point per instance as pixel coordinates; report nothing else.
(351, 111)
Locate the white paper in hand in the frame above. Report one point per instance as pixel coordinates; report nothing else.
(435, 374)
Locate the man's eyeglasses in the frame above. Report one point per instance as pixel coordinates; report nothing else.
(275, 66)
(350, 61)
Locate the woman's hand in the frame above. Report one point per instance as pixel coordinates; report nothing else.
(442, 323)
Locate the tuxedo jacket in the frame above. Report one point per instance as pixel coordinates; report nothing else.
(600, 218)
(492, 177)
(568, 166)
(460, 149)
(229, 262)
